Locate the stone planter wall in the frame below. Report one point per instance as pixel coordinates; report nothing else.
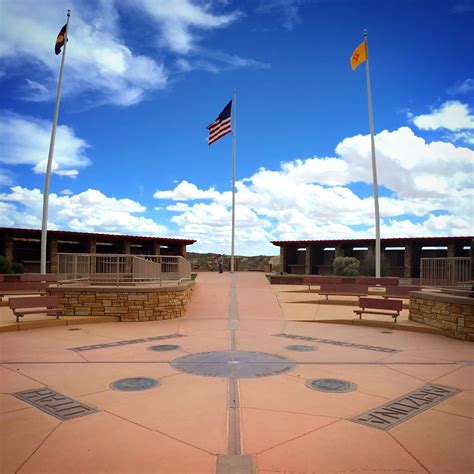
(130, 303)
(453, 314)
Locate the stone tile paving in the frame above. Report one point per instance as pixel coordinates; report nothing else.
(182, 425)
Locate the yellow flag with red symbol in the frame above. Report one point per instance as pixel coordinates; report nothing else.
(359, 55)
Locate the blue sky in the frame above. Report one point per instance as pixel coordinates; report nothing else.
(143, 78)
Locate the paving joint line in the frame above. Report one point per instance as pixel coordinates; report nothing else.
(301, 436)
(408, 452)
(234, 441)
(18, 372)
(40, 445)
(31, 362)
(18, 409)
(451, 413)
(293, 412)
(450, 373)
(403, 373)
(154, 430)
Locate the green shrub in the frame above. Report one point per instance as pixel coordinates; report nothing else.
(5, 265)
(346, 266)
(18, 267)
(193, 276)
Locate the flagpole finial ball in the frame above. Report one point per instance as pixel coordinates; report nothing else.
(69, 13)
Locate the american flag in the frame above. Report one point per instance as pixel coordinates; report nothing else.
(221, 126)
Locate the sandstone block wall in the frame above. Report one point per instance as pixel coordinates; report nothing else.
(134, 303)
(453, 314)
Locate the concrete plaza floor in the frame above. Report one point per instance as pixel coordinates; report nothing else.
(266, 424)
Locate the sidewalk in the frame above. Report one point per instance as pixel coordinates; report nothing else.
(191, 423)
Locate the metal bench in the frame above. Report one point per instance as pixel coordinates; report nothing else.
(343, 289)
(385, 307)
(22, 288)
(35, 305)
(399, 291)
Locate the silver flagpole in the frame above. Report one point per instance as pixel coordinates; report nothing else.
(234, 131)
(374, 166)
(44, 226)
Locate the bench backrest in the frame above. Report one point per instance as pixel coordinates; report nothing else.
(376, 303)
(343, 288)
(373, 281)
(34, 277)
(320, 279)
(400, 290)
(6, 287)
(34, 302)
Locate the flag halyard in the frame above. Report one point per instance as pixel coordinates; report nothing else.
(221, 126)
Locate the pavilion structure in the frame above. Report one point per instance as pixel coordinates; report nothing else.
(314, 257)
(24, 246)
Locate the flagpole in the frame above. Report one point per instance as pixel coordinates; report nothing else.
(374, 166)
(234, 131)
(44, 226)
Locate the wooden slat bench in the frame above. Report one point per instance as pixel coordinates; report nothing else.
(343, 289)
(373, 281)
(22, 288)
(37, 277)
(319, 280)
(35, 305)
(385, 307)
(399, 291)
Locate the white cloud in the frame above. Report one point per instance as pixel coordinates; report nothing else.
(100, 65)
(287, 9)
(25, 141)
(179, 19)
(186, 191)
(431, 188)
(467, 137)
(5, 177)
(67, 192)
(463, 87)
(452, 115)
(89, 211)
(97, 58)
(36, 86)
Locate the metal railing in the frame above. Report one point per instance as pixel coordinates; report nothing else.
(122, 269)
(451, 272)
